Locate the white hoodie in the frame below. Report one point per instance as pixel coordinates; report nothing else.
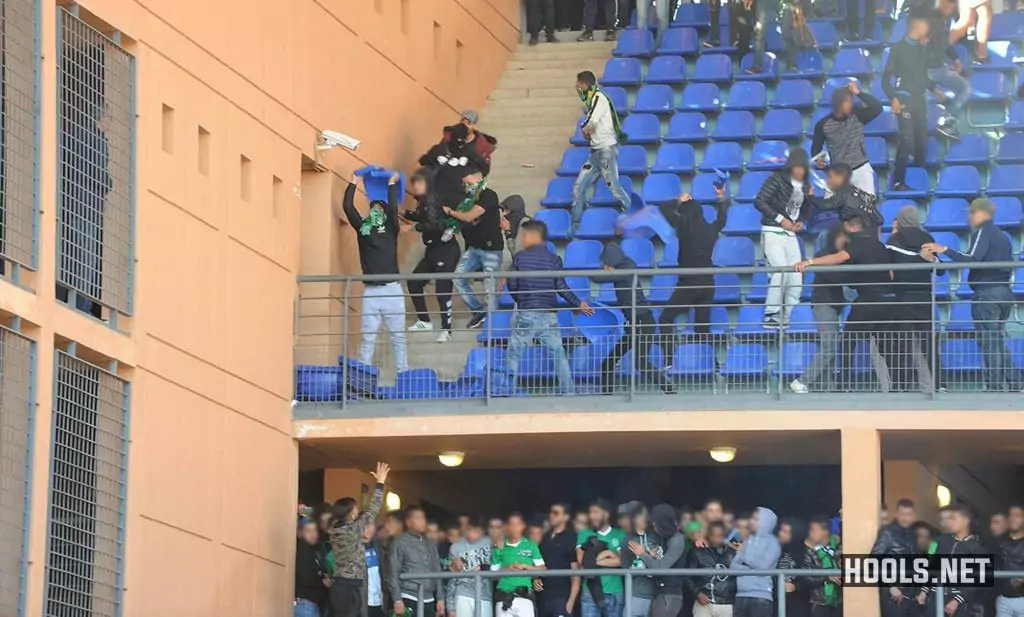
(601, 124)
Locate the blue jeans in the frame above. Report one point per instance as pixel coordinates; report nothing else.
(945, 79)
(612, 606)
(990, 310)
(477, 260)
(542, 326)
(305, 608)
(639, 607)
(603, 163)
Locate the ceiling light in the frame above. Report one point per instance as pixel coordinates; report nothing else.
(723, 455)
(392, 501)
(453, 458)
(944, 495)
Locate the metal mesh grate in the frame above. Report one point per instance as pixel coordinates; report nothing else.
(96, 193)
(87, 494)
(17, 379)
(19, 68)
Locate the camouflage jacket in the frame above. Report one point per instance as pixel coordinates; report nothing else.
(347, 541)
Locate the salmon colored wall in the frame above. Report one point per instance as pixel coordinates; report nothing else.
(213, 466)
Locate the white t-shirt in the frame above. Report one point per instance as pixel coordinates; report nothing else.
(792, 211)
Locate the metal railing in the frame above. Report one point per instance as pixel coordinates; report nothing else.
(19, 134)
(779, 575)
(88, 480)
(17, 415)
(96, 162)
(925, 339)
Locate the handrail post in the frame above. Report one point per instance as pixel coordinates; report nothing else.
(419, 599)
(940, 601)
(478, 594)
(627, 599)
(344, 342)
(489, 373)
(780, 606)
(633, 344)
(933, 339)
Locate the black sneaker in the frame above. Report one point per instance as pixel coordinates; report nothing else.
(771, 322)
(610, 35)
(900, 187)
(551, 38)
(534, 39)
(668, 388)
(980, 61)
(754, 70)
(588, 35)
(710, 43)
(477, 320)
(948, 130)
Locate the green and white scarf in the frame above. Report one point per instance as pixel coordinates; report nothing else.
(589, 98)
(827, 555)
(376, 218)
(468, 201)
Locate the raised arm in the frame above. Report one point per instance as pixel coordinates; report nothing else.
(394, 200)
(721, 213)
(349, 207)
(818, 141)
(869, 110)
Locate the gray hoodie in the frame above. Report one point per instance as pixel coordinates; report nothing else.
(412, 554)
(474, 556)
(760, 552)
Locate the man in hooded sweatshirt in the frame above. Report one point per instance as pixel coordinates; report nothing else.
(668, 600)
(784, 203)
(643, 537)
(641, 327)
(761, 551)
(842, 132)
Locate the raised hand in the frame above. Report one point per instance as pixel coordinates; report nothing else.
(381, 474)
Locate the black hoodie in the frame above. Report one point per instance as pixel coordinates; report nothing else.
(696, 236)
(428, 216)
(773, 199)
(828, 286)
(904, 248)
(613, 256)
(664, 520)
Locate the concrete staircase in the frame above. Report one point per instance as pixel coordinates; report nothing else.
(533, 113)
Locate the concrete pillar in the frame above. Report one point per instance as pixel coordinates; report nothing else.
(911, 480)
(862, 489)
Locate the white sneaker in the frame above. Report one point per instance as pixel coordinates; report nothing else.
(797, 387)
(444, 336)
(421, 326)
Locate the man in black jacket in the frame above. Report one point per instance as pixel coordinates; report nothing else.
(897, 538)
(712, 592)
(821, 552)
(958, 601)
(441, 256)
(697, 240)
(908, 66)
(312, 580)
(641, 328)
(842, 132)
(848, 199)
(1010, 602)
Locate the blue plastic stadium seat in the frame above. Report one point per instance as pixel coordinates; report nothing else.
(536, 363)
(745, 360)
(972, 149)
(559, 222)
(874, 42)
(661, 188)
(727, 289)
(960, 319)
(743, 220)
(932, 153)
(769, 68)
(1002, 56)
(661, 288)
(674, 159)
(619, 99)
(559, 193)
(1006, 180)
(640, 250)
(603, 195)
(750, 185)
(751, 95)
(583, 254)
(693, 361)
(714, 68)
(794, 359)
(784, 124)
(621, 72)
(801, 320)
(877, 91)
(949, 214)
(701, 97)
(654, 99)
(917, 180)
(958, 181)
(989, 87)
(668, 70)
(757, 293)
(734, 126)
(580, 285)
(577, 138)
(1008, 212)
(670, 254)
(1016, 347)
(824, 34)
(852, 63)
(632, 161)
(890, 208)
(642, 129)
(878, 152)
(481, 360)
(625, 369)
(1007, 26)
(898, 31)
(679, 42)
(497, 328)
(884, 125)
(1018, 283)
(793, 94)
(324, 383)
(692, 16)
(1011, 148)
(810, 64)
(702, 189)
(688, 127)
(947, 238)
(572, 161)
(963, 289)
(962, 355)
(733, 251)
(418, 383)
(1016, 117)
(634, 44)
(768, 155)
(831, 85)
(749, 321)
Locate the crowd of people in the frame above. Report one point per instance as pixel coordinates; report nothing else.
(348, 565)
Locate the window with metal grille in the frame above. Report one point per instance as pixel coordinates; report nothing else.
(17, 402)
(85, 545)
(96, 179)
(19, 96)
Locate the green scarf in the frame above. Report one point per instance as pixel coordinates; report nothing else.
(933, 547)
(589, 97)
(827, 555)
(472, 193)
(376, 218)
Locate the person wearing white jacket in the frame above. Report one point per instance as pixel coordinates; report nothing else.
(601, 128)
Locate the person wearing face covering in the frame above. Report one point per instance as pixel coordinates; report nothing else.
(641, 328)
(760, 551)
(602, 129)
(668, 599)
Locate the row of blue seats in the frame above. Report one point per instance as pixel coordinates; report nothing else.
(486, 369)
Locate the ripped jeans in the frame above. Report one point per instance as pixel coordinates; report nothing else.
(603, 163)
